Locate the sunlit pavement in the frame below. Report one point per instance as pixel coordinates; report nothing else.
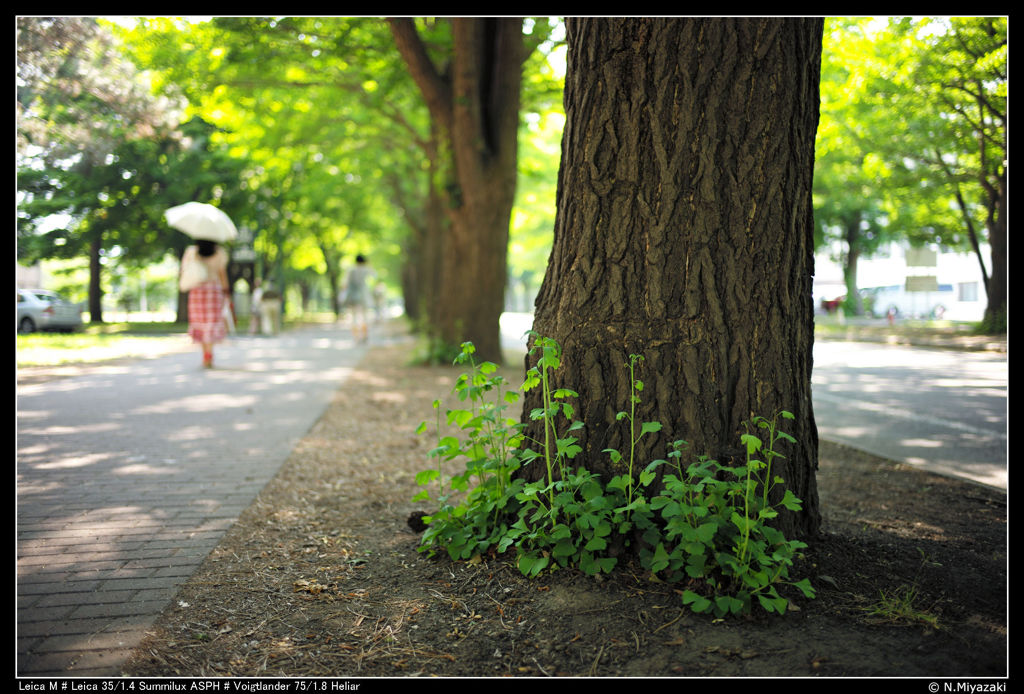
(129, 475)
(941, 410)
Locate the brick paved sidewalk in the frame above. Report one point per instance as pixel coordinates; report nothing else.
(128, 475)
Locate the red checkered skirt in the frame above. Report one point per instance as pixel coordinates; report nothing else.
(206, 313)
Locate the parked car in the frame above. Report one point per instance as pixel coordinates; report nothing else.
(41, 309)
(903, 304)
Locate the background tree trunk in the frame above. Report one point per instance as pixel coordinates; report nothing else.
(95, 279)
(426, 264)
(854, 303)
(475, 102)
(684, 234)
(996, 311)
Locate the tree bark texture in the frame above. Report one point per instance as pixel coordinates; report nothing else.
(476, 102)
(424, 213)
(424, 258)
(684, 234)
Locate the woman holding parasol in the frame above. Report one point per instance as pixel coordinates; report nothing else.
(204, 271)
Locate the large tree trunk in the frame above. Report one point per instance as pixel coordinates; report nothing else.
(476, 104)
(684, 234)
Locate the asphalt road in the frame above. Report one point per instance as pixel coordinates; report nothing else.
(939, 409)
(943, 410)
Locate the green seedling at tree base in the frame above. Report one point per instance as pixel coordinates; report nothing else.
(708, 526)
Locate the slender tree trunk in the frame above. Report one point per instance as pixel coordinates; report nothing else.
(995, 284)
(853, 302)
(333, 278)
(972, 234)
(181, 315)
(684, 234)
(995, 312)
(95, 278)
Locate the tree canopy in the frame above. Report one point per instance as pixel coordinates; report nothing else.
(912, 144)
(313, 133)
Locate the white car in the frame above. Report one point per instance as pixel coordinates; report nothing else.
(906, 304)
(41, 309)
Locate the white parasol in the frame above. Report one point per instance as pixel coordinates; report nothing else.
(202, 221)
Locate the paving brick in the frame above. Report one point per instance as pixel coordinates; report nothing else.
(46, 663)
(91, 642)
(26, 644)
(99, 663)
(96, 597)
(141, 583)
(163, 562)
(182, 571)
(90, 574)
(47, 615)
(106, 611)
(51, 587)
(69, 626)
(162, 595)
(105, 536)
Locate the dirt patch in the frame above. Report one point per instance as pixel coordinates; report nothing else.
(321, 577)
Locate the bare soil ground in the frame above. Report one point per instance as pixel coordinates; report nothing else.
(321, 577)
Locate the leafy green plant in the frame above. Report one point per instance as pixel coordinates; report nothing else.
(571, 529)
(556, 451)
(563, 518)
(469, 519)
(626, 482)
(710, 524)
(716, 527)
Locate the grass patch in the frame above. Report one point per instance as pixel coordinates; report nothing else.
(95, 344)
(901, 606)
(831, 325)
(98, 342)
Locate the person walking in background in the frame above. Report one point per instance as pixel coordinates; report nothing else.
(270, 310)
(379, 301)
(357, 297)
(255, 309)
(204, 276)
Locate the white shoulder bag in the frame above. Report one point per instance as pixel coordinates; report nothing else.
(193, 272)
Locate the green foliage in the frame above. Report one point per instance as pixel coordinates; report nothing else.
(335, 135)
(121, 200)
(913, 111)
(469, 521)
(911, 144)
(626, 482)
(717, 526)
(710, 525)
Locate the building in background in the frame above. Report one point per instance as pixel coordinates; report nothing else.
(28, 277)
(914, 283)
